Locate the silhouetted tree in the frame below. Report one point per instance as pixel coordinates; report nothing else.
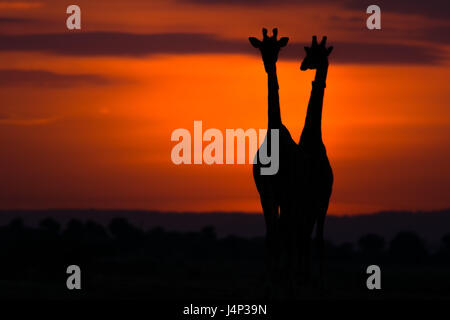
(344, 251)
(407, 247)
(121, 228)
(128, 236)
(444, 250)
(371, 244)
(50, 225)
(16, 225)
(74, 230)
(95, 231)
(446, 242)
(209, 233)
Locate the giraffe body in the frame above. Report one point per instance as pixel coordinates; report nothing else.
(296, 198)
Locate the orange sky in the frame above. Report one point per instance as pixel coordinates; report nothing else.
(91, 129)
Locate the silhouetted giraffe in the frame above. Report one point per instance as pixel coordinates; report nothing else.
(319, 175)
(296, 198)
(276, 191)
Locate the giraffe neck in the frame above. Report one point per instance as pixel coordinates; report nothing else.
(321, 73)
(312, 131)
(274, 115)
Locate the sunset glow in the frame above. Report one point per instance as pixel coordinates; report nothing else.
(92, 129)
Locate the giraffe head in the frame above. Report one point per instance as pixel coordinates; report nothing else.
(269, 47)
(316, 55)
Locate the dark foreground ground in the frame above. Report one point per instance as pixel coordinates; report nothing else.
(125, 262)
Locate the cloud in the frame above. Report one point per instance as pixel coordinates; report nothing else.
(429, 8)
(24, 25)
(375, 53)
(438, 35)
(14, 20)
(46, 79)
(237, 2)
(20, 5)
(141, 45)
(25, 22)
(10, 120)
(119, 44)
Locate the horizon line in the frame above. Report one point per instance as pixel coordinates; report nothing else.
(250, 213)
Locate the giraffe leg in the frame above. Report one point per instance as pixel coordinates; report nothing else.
(320, 244)
(289, 261)
(270, 209)
(307, 258)
(304, 253)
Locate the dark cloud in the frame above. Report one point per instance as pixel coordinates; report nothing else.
(119, 44)
(40, 78)
(14, 20)
(430, 8)
(15, 120)
(139, 45)
(15, 24)
(26, 22)
(238, 2)
(439, 35)
(375, 53)
(254, 2)
(12, 121)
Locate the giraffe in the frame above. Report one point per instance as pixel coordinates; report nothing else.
(296, 198)
(319, 174)
(276, 191)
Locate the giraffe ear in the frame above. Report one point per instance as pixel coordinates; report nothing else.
(329, 50)
(254, 42)
(283, 42)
